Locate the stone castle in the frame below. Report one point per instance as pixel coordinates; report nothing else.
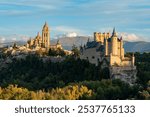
(108, 50)
(43, 41)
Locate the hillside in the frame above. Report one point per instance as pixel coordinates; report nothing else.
(31, 78)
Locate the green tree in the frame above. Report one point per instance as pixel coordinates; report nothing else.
(75, 51)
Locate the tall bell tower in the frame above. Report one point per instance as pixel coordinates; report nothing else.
(114, 43)
(46, 36)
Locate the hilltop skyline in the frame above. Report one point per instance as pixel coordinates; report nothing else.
(26, 17)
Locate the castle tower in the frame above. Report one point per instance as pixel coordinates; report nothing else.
(121, 48)
(133, 60)
(101, 37)
(105, 35)
(108, 35)
(106, 46)
(45, 36)
(96, 37)
(38, 39)
(114, 43)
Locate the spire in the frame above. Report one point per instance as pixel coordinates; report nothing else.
(114, 33)
(88, 40)
(45, 25)
(38, 34)
(58, 42)
(114, 30)
(45, 22)
(121, 38)
(133, 54)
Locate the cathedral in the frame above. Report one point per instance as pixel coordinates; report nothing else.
(43, 41)
(108, 50)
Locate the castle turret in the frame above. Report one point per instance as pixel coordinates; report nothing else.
(114, 43)
(58, 42)
(46, 36)
(106, 46)
(105, 35)
(114, 34)
(121, 48)
(133, 60)
(108, 35)
(95, 36)
(15, 46)
(38, 34)
(101, 37)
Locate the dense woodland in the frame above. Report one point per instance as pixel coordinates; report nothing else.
(31, 78)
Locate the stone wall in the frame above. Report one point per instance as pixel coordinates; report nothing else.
(91, 55)
(127, 74)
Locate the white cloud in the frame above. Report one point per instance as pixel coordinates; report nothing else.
(2, 39)
(13, 38)
(14, 12)
(26, 7)
(99, 13)
(72, 34)
(24, 37)
(131, 37)
(67, 29)
(44, 4)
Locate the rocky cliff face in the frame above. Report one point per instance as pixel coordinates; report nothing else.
(127, 74)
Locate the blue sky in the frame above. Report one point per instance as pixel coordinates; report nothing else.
(26, 17)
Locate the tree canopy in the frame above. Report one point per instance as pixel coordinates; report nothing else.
(73, 78)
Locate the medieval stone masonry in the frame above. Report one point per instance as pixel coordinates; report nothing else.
(108, 50)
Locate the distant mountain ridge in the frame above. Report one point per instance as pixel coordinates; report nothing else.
(67, 42)
(139, 46)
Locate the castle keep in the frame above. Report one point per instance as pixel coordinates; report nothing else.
(108, 50)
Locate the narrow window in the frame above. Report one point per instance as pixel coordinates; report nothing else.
(93, 57)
